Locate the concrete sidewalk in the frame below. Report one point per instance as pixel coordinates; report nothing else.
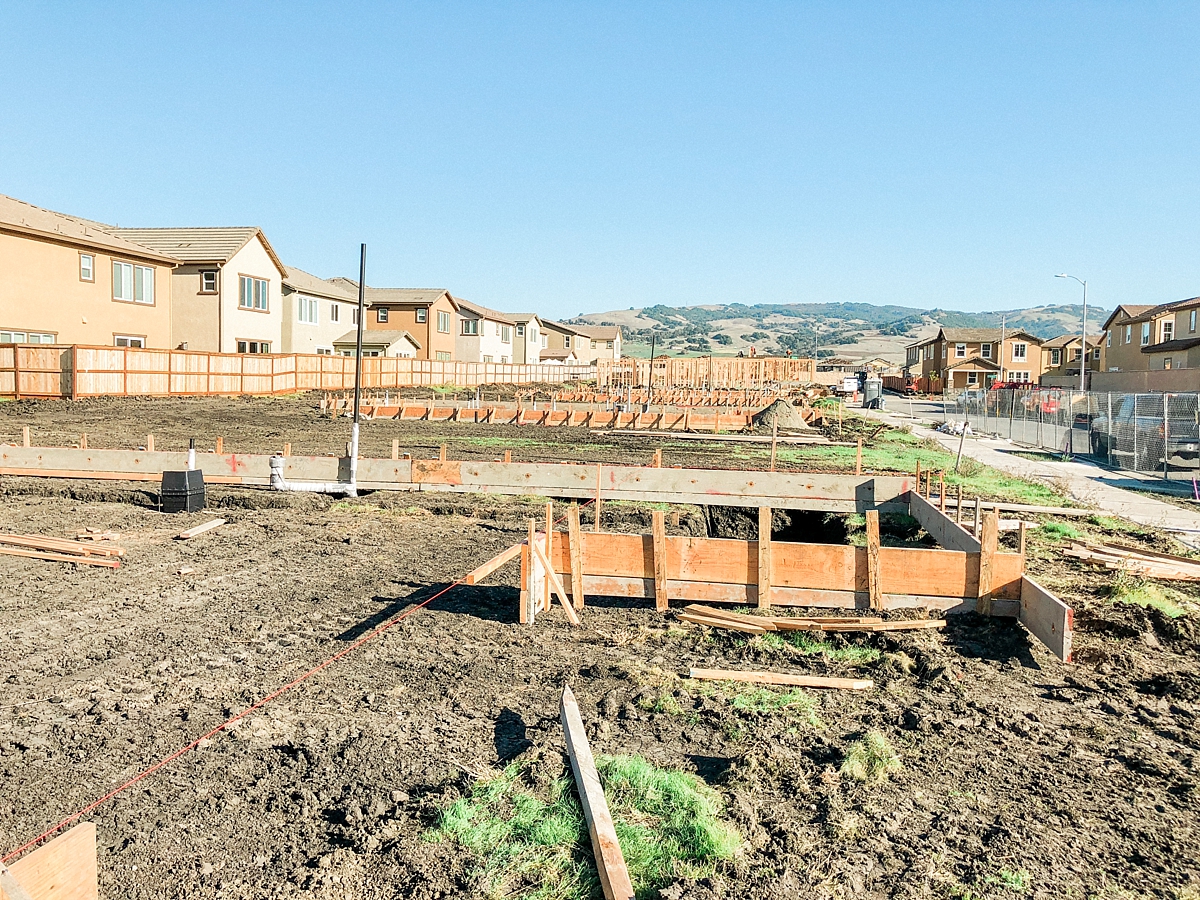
(1084, 482)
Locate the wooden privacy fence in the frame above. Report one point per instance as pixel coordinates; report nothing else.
(75, 371)
(706, 372)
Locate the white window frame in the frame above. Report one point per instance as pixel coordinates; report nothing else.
(335, 312)
(1167, 329)
(87, 270)
(254, 293)
(1145, 334)
(1096, 353)
(470, 328)
(422, 315)
(1192, 320)
(972, 378)
(122, 285)
(12, 336)
(1020, 352)
(308, 310)
(443, 316)
(566, 341)
(1022, 377)
(506, 334)
(1128, 334)
(205, 275)
(487, 357)
(251, 347)
(131, 340)
(381, 315)
(1108, 339)
(960, 351)
(1055, 357)
(520, 330)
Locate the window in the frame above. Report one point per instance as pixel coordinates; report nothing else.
(87, 267)
(972, 378)
(381, 314)
(422, 314)
(1108, 339)
(520, 331)
(1192, 320)
(335, 312)
(960, 350)
(1055, 357)
(253, 293)
(1129, 334)
(945, 350)
(593, 344)
(1020, 352)
(26, 337)
(1167, 363)
(133, 284)
(566, 340)
(1145, 333)
(253, 346)
(1168, 329)
(1018, 376)
(610, 345)
(487, 357)
(208, 282)
(442, 355)
(544, 337)
(307, 311)
(324, 351)
(354, 315)
(128, 340)
(1076, 354)
(443, 324)
(504, 360)
(506, 334)
(1096, 354)
(470, 326)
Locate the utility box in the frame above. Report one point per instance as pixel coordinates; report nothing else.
(873, 393)
(182, 491)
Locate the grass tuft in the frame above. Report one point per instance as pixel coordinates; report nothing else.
(872, 760)
(669, 824)
(1061, 531)
(1128, 588)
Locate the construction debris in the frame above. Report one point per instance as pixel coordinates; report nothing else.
(731, 621)
(810, 681)
(199, 529)
(58, 545)
(1147, 563)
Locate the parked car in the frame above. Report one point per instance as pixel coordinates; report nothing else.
(1146, 441)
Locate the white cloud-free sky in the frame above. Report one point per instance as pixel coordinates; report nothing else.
(577, 157)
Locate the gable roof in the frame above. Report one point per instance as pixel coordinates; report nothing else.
(306, 283)
(373, 338)
(982, 335)
(484, 312)
(599, 332)
(1056, 343)
(977, 362)
(524, 316)
(399, 296)
(562, 326)
(1132, 311)
(556, 353)
(200, 245)
(20, 217)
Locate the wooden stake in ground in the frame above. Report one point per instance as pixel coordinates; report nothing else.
(508, 456)
(659, 523)
(549, 551)
(858, 458)
(764, 557)
(958, 507)
(24, 435)
(658, 458)
(918, 476)
(874, 583)
(442, 453)
(610, 862)
(1021, 538)
(599, 481)
(554, 584)
(83, 442)
(978, 513)
(395, 448)
(149, 443)
(942, 492)
(287, 449)
(774, 440)
(987, 542)
(575, 536)
(220, 444)
(812, 681)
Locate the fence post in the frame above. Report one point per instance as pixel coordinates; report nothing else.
(1133, 463)
(1166, 437)
(1109, 420)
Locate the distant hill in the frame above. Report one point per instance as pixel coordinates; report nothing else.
(859, 330)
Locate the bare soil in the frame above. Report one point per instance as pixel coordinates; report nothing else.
(1070, 780)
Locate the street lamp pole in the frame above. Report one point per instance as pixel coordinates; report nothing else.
(1083, 357)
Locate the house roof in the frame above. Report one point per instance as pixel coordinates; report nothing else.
(983, 335)
(1133, 312)
(374, 338)
(399, 296)
(200, 245)
(1057, 343)
(306, 283)
(25, 218)
(1171, 346)
(555, 353)
(484, 312)
(563, 326)
(599, 332)
(523, 316)
(974, 362)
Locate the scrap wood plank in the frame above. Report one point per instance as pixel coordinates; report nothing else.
(63, 869)
(1151, 554)
(898, 625)
(726, 624)
(813, 681)
(610, 862)
(575, 539)
(61, 557)
(555, 584)
(498, 561)
(200, 529)
(765, 622)
(58, 545)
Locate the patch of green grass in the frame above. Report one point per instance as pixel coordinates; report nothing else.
(664, 704)
(1061, 531)
(1128, 588)
(1013, 880)
(765, 700)
(669, 824)
(871, 760)
(852, 654)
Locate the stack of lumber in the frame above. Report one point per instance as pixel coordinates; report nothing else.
(1140, 562)
(54, 549)
(732, 621)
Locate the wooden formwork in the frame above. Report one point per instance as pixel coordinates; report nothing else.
(966, 574)
(706, 372)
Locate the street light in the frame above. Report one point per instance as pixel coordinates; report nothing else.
(1083, 361)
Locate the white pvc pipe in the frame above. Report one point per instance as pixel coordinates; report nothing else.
(279, 483)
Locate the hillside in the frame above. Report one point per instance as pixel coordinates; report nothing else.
(857, 330)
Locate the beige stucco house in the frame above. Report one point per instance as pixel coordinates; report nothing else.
(961, 358)
(226, 296)
(602, 342)
(561, 336)
(1060, 359)
(429, 314)
(316, 312)
(66, 280)
(483, 334)
(527, 338)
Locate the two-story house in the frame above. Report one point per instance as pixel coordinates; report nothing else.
(1061, 359)
(484, 335)
(65, 280)
(316, 312)
(561, 336)
(427, 314)
(602, 342)
(1151, 338)
(226, 296)
(527, 338)
(960, 358)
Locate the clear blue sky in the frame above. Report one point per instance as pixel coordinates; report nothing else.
(574, 157)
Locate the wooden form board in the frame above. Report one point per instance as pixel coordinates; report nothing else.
(1048, 619)
(941, 528)
(63, 869)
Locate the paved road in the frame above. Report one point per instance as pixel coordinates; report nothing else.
(1083, 481)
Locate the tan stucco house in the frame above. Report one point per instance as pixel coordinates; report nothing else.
(316, 312)
(1060, 358)
(527, 338)
(483, 334)
(960, 358)
(226, 296)
(601, 342)
(429, 314)
(66, 280)
(561, 336)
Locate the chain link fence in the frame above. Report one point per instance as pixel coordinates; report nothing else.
(1153, 434)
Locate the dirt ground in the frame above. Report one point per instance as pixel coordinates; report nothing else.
(1067, 780)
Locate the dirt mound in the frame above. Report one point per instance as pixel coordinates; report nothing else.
(781, 411)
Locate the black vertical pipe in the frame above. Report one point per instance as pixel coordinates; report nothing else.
(362, 302)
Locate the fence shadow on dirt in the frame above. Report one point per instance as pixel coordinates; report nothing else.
(495, 603)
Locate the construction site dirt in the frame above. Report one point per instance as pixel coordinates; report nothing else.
(1074, 780)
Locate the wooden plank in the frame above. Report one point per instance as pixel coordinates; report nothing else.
(900, 625)
(575, 539)
(610, 863)
(599, 501)
(59, 545)
(10, 888)
(810, 681)
(537, 574)
(498, 561)
(60, 557)
(200, 529)
(765, 622)
(989, 540)
(63, 869)
(554, 585)
(1048, 619)
(874, 579)
(659, 525)
(547, 547)
(940, 527)
(764, 556)
(727, 624)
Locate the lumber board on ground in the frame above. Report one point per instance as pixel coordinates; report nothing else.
(948, 533)
(765, 622)
(1048, 619)
(610, 863)
(200, 529)
(727, 624)
(63, 869)
(59, 545)
(105, 562)
(810, 681)
(501, 559)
